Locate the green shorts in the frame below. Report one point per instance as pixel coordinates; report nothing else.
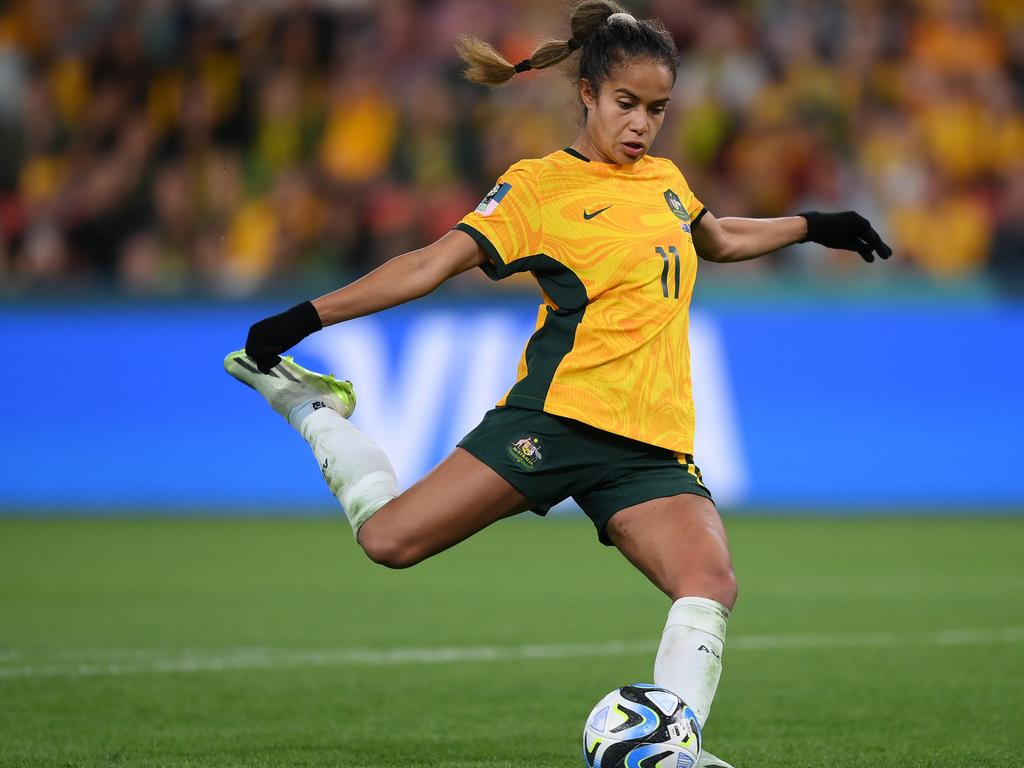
(550, 458)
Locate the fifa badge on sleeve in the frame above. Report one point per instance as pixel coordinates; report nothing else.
(493, 198)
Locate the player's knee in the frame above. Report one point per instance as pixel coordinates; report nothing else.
(386, 549)
(715, 580)
(727, 587)
(717, 573)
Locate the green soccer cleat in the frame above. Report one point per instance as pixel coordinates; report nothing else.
(288, 385)
(707, 760)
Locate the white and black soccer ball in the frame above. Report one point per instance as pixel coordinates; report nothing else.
(641, 726)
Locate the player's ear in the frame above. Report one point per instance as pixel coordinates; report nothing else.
(587, 94)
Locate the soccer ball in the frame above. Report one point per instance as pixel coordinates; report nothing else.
(641, 726)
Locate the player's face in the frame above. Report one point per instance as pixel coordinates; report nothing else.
(626, 114)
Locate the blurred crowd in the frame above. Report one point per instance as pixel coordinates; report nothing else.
(226, 147)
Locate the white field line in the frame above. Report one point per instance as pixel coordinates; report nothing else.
(91, 663)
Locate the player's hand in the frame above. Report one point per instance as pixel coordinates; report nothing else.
(273, 335)
(847, 230)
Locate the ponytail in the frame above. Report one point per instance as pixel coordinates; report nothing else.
(485, 66)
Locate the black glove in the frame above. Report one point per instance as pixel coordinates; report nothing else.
(847, 230)
(273, 335)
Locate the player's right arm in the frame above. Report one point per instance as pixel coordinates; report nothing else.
(397, 281)
(506, 226)
(401, 279)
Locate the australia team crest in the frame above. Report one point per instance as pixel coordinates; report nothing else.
(676, 206)
(526, 451)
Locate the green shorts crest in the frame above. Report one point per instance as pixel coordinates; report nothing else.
(526, 451)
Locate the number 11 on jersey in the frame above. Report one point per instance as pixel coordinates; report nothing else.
(664, 271)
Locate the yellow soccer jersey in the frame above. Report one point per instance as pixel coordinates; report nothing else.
(611, 248)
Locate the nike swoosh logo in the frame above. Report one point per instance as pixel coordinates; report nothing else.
(589, 216)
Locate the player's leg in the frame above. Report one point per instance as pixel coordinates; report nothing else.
(459, 497)
(679, 543)
(454, 501)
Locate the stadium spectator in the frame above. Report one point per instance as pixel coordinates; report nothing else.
(227, 148)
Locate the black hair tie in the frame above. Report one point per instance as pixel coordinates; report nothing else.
(573, 44)
(523, 65)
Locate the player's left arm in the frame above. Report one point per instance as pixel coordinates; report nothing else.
(738, 239)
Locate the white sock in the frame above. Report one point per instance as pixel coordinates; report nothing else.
(298, 414)
(358, 473)
(689, 660)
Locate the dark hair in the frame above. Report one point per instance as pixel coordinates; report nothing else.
(603, 43)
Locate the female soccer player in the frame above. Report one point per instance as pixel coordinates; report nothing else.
(601, 409)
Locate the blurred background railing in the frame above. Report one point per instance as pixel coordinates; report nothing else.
(228, 148)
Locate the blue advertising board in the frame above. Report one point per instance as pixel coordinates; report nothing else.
(801, 406)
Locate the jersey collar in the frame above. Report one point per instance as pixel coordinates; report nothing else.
(607, 168)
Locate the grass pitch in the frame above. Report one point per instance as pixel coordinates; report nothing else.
(276, 643)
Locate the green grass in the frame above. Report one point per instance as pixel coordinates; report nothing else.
(92, 612)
